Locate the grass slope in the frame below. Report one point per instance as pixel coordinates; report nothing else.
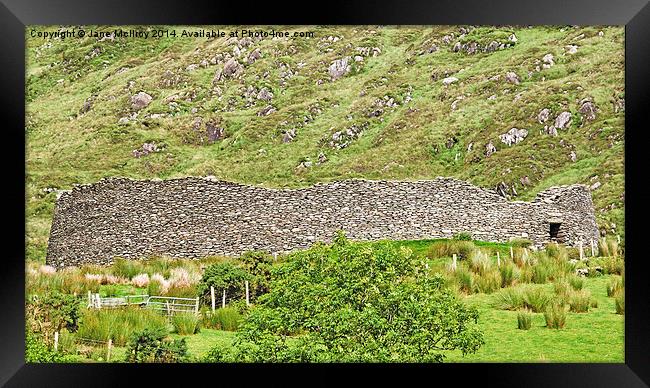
(421, 137)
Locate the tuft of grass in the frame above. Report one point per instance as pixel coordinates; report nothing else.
(227, 318)
(524, 319)
(555, 316)
(465, 279)
(619, 302)
(447, 248)
(186, 323)
(615, 287)
(537, 299)
(576, 282)
(127, 268)
(510, 298)
(487, 282)
(118, 324)
(579, 301)
(507, 274)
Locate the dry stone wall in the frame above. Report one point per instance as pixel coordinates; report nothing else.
(198, 217)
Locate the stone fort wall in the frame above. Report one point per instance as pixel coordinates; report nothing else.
(196, 217)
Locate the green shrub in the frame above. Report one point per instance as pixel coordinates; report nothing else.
(579, 301)
(118, 324)
(555, 316)
(150, 345)
(218, 353)
(536, 299)
(186, 323)
(620, 302)
(36, 350)
(524, 319)
(223, 276)
(463, 236)
(52, 312)
(487, 282)
(228, 318)
(510, 298)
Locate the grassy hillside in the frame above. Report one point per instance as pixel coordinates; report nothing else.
(81, 125)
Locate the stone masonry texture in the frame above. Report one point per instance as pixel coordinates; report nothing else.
(197, 217)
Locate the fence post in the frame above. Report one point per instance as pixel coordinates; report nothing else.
(593, 248)
(56, 341)
(223, 299)
(248, 301)
(212, 297)
(498, 260)
(618, 238)
(98, 300)
(196, 309)
(108, 352)
(167, 303)
(582, 253)
(275, 256)
(453, 263)
(512, 254)
(525, 255)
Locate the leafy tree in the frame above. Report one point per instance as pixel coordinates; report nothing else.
(359, 302)
(258, 264)
(151, 346)
(223, 276)
(51, 312)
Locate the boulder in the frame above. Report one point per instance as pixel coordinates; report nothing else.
(140, 100)
(512, 78)
(513, 136)
(571, 49)
(230, 68)
(543, 115)
(449, 80)
(588, 110)
(563, 120)
(490, 149)
(339, 68)
(265, 95)
(254, 56)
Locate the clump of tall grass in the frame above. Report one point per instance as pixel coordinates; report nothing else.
(579, 301)
(608, 247)
(47, 270)
(615, 287)
(188, 291)
(227, 318)
(612, 265)
(67, 281)
(447, 248)
(510, 298)
(536, 298)
(465, 279)
(479, 262)
(524, 319)
(576, 282)
(186, 324)
(181, 277)
(521, 243)
(127, 268)
(140, 280)
(487, 282)
(557, 251)
(158, 285)
(619, 302)
(507, 273)
(541, 273)
(118, 324)
(562, 289)
(555, 316)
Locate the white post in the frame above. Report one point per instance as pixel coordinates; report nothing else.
(98, 300)
(167, 304)
(196, 308)
(498, 260)
(275, 256)
(593, 248)
(56, 341)
(525, 255)
(453, 263)
(212, 297)
(582, 253)
(108, 352)
(512, 254)
(223, 299)
(618, 238)
(248, 301)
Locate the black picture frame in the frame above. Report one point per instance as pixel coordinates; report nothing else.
(16, 14)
